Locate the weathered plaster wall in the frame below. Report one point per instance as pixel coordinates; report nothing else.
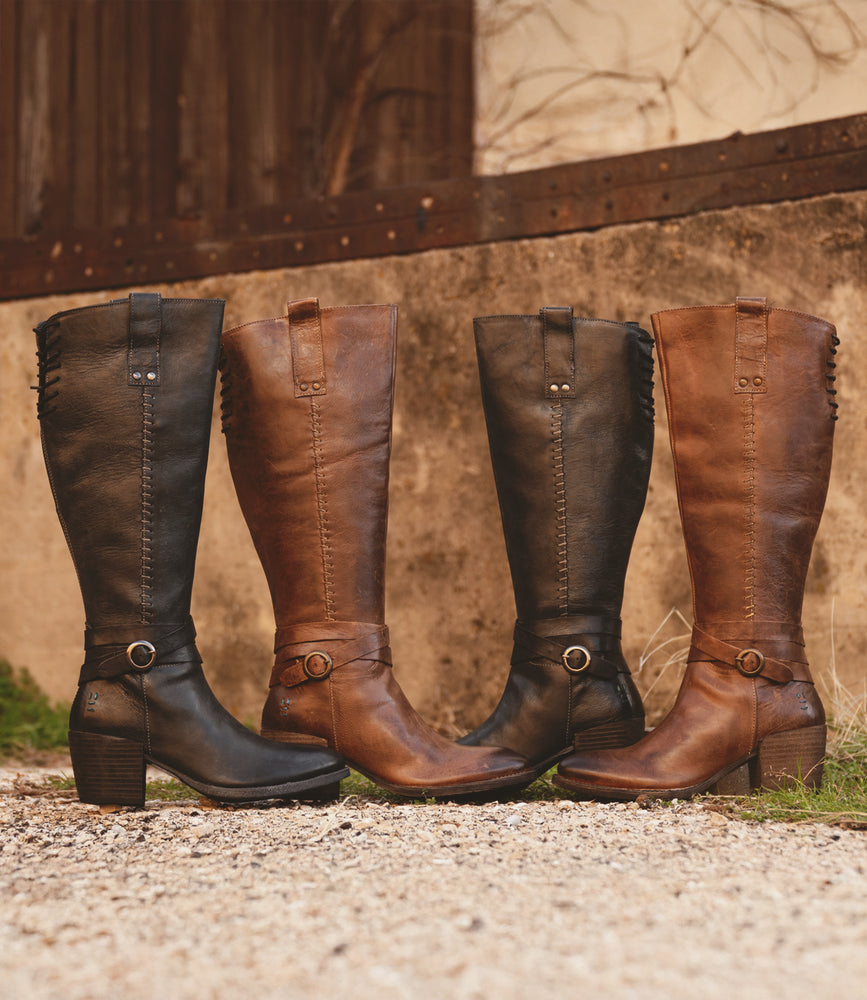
(449, 597)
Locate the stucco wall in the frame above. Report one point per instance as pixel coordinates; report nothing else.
(449, 596)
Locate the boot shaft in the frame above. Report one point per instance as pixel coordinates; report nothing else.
(125, 402)
(307, 402)
(750, 397)
(569, 409)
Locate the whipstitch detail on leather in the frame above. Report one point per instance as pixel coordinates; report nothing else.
(147, 507)
(560, 506)
(645, 372)
(322, 510)
(831, 377)
(750, 501)
(47, 361)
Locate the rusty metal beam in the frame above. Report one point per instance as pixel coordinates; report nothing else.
(797, 162)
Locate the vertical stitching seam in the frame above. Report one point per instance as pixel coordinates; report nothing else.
(335, 736)
(147, 725)
(322, 510)
(750, 492)
(560, 506)
(147, 508)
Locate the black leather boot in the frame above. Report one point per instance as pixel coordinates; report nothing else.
(569, 410)
(125, 400)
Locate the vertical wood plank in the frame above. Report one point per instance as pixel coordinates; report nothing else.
(84, 116)
(165, 19)
(290, 28)
(460, 105)
(114, 159)
(34, 128)
(9, 49)
(202, 110)
(56, 210)
(139, 131)
(263, 48)
(252, 61)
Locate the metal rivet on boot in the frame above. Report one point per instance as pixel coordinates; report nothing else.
(757, 380)
(151, 376)
(303, 387)
(743, 381)
(136, 375)
(555, 388)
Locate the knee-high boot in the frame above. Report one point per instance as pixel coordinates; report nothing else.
(751, 407)
(125, 398)
(569, 410)
(307, 416)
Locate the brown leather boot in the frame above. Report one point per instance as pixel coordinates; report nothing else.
(307, 416)
(569, 411)
(751, 407)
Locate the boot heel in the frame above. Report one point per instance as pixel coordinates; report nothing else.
(108, 770)
(791, 759)
(610, 736)
(736, 782)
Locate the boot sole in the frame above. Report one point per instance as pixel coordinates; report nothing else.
(110, 770)
(791, 759)
(466, 790)
(610, 736)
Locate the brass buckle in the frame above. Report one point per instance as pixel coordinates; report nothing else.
(743, 654)
(571, 667)
(148, 647)
(321, 675)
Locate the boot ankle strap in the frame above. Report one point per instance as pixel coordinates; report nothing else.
(135, 649)
(579, 652)
(311, 651)
(747, 659)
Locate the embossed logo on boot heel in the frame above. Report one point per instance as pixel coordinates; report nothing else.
(802, 701)
(284, 707)
(92, 698)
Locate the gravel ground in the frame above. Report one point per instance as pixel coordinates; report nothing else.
(366, 898)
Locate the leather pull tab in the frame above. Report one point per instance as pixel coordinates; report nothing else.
(145, 321)
(305, 334)
(559, 344)
(751, 345)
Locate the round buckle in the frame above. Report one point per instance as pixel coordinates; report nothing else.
(746, 671)
(572, 667)
(150, 652)
(322, 674)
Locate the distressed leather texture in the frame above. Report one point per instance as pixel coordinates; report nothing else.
(310, 468)
(125, 427)
(568, 405)
(751, 404)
